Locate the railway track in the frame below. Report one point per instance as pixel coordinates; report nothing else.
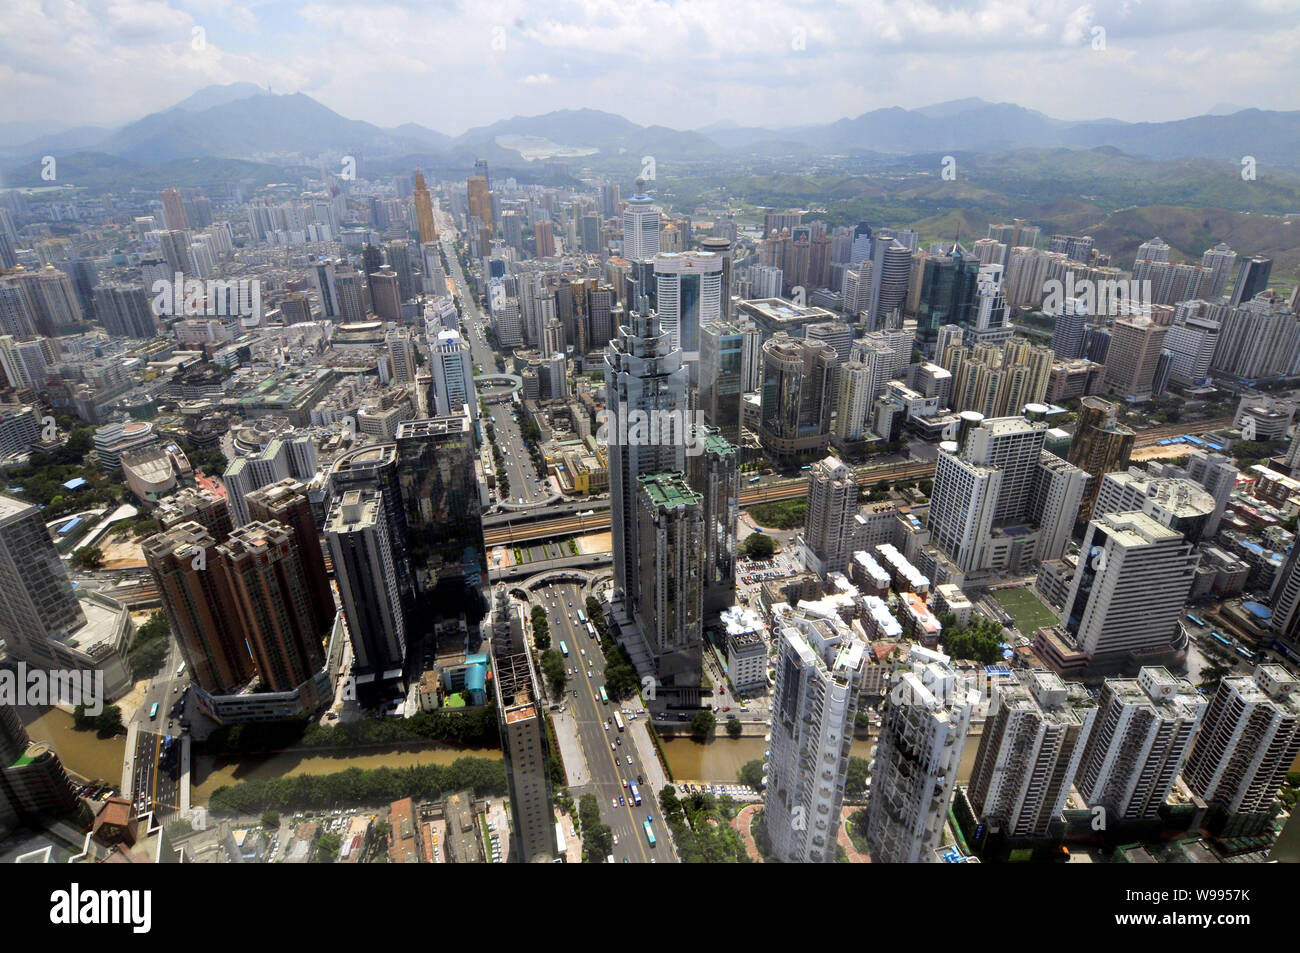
(788, 490)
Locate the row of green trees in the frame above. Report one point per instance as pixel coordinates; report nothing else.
(541, 629)
(424, 782)
(498, 461)
(554, 670)
(597, 836)
(473, 727)
(621, 680)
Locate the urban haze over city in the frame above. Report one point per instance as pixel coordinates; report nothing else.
(649, 433)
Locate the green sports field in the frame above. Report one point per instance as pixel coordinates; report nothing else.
(1026, 608)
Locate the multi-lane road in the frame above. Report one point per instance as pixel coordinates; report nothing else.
(156, 771)
(522, 474)
(608, 767)
(525, 486)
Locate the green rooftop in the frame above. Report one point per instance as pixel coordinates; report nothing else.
(668, 490)
(716, 443)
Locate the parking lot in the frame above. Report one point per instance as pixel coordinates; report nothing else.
(738, 792)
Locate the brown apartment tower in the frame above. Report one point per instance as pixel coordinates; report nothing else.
(196, 595)
(480, 200)
(273, 604)
(1101, 445)
(424, 211)
(174, 209)
(286, 503)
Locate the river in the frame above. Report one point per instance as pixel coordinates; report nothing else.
(83, 753)
(211, 773)
(86, 754)
(722, 758)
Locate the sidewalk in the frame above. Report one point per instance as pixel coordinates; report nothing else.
(128, 766)
(842, 836)
(656, 778)
(571, 751)
(740, 823)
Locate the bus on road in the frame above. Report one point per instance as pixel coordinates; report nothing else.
(636, 795)
(1245, 653)
(649, 834)
(180, 670)
(582, 617)
(564, 650)
(591, 630)
(1196, 620)
(754, 479)
(153, 711)
(618, 720)
(1225, 642)
(604, 697)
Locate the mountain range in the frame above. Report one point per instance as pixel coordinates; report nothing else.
(244, 121)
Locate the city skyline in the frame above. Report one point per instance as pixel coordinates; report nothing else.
(883, 490)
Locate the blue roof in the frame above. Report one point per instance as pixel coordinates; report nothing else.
(478, 658)
(75, 484)
(68, 526)
(1257, 610)
(476, 678)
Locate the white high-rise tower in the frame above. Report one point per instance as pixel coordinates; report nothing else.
(640, 226)
(818, 680)
(453, 376)
(918, 753)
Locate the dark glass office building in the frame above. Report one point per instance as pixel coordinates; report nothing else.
(947, 294)
(443, 517)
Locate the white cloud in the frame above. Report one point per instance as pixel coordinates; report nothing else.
(681, 63)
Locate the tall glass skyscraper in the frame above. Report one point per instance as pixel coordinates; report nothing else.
(444, 515)
(948, 293)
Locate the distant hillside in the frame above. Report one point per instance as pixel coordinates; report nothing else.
(98, 172)
(241, 120)
(258, 125)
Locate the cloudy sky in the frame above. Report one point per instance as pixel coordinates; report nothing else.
(451, 65)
